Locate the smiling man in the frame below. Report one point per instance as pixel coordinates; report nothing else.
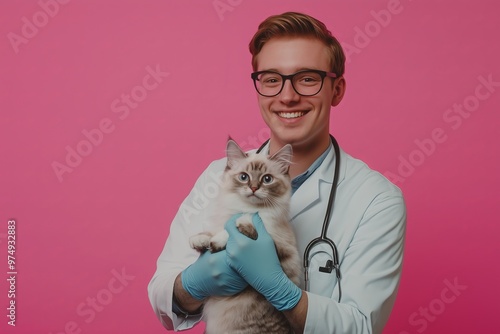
(298, 75)
(297, 110)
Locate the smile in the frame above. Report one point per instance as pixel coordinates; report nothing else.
(291, 114)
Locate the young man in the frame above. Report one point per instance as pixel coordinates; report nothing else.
(298, 75)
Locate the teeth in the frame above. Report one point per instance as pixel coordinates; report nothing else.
(291, 114)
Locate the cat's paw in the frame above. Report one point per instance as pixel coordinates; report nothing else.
(201, 241)
(218, 242)
(245, 226)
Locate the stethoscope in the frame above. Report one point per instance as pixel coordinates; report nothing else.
(330, 265)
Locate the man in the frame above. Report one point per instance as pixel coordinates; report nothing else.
(298, 75)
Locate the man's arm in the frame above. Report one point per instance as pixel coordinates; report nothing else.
(257, 262)
(183, 299)
(371, 268)
(177, 255)
(184, 278)
(298, 315)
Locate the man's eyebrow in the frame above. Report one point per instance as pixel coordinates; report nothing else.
(297, 70)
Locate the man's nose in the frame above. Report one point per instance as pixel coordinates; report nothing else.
(288, 94)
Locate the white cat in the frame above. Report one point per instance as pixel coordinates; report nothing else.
(252, 183)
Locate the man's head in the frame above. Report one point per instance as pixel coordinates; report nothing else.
(292, 24)
(297, 54)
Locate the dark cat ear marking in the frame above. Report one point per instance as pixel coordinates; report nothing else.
(234, 153)
(283, 157)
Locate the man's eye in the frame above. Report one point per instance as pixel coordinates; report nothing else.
(308, 79)
(270, 79)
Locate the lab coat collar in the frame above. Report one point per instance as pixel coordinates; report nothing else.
(309, 193)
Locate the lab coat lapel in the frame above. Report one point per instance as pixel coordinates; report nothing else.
(308, 194)
(317, 188)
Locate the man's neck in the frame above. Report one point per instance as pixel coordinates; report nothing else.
(304, 155)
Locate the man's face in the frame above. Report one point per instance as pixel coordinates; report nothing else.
(299, 120)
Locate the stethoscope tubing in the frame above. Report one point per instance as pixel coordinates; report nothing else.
(323, 238)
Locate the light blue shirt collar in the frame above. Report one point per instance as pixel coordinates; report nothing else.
(300, 179)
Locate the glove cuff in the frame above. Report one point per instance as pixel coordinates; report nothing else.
(286, 296)
(185, 278)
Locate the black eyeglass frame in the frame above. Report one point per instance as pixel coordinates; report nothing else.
(322, 74)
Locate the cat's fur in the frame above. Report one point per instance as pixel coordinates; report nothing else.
(249, 312)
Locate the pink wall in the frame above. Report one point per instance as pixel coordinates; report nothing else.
(418, 108)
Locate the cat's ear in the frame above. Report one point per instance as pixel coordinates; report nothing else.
(284, 158)
(234, 153)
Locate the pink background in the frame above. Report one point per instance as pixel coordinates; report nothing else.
(112, 212)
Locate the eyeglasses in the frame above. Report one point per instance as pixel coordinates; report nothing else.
(305, 83)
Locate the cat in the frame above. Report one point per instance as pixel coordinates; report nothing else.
(251, 183)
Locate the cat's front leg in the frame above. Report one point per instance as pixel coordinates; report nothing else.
(245, 226)
(200, 241)
(218, 241)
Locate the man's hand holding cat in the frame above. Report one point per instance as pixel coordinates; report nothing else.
(211, 275)
(257, 262)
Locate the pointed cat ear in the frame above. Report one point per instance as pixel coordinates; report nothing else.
(233, 152)
(283, 157)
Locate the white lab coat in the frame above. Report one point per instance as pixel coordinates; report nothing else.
(367, 225)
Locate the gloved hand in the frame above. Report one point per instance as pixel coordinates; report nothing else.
(257, 262)
(211, 275)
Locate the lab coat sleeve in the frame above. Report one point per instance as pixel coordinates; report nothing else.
(371, 270)
(177, 254)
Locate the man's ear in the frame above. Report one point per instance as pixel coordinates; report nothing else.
(338, 91)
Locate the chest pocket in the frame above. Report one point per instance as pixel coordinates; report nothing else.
(321, 283)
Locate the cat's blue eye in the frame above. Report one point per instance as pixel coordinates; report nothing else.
(243, 177)
(266, 179)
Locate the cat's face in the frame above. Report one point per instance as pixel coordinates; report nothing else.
(257, 179)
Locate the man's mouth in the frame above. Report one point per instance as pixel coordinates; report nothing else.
(289, 115)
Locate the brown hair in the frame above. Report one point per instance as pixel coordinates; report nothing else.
(293, 24)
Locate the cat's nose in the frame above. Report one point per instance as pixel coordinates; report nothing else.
(254, 189)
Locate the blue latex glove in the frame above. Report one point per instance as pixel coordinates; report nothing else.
(211, 275)
(257, 262)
